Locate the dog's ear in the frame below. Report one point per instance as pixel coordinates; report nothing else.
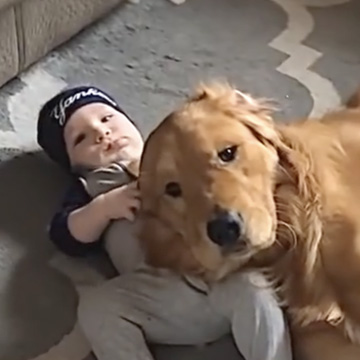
(244, 98)
(256, 115)
(215, 91)
(225, 95)
(253, 112)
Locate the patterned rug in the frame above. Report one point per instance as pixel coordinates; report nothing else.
(305, 54)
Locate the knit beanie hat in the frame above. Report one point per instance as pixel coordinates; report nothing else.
(55, 113)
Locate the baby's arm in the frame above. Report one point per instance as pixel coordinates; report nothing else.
(79, 224)
(87, 223)
(60, 232)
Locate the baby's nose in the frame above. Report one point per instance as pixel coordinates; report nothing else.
(102, 134)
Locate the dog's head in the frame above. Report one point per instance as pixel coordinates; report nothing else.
(207, 182)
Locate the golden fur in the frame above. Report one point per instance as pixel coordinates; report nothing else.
(297, 187)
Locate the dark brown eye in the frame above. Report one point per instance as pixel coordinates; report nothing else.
(79, 139)
(106, 118)
(228, 154)
(173, 189)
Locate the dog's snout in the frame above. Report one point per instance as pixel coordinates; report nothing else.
(225, 227)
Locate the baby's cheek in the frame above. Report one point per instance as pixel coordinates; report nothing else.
(91, 157)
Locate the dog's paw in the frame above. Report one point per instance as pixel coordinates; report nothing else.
(177, 2)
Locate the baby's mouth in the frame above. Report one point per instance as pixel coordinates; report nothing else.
(109, 146)
(116, 145)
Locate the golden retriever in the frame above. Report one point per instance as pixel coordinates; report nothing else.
(225, 188)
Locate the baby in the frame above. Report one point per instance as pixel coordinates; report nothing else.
(83, 129)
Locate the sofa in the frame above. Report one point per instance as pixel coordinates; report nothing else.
(29, 29)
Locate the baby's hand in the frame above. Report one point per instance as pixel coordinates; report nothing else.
(122, 202)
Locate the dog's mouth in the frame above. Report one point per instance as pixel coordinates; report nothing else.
(239, 247)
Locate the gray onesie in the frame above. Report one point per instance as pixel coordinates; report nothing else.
(120, 237)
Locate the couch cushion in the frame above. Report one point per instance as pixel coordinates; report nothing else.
(7, 3)
(48, 23)
(9, 59)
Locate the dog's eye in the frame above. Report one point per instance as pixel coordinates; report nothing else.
(228, 154)
(173, 189)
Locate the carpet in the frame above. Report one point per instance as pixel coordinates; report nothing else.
(304, 54)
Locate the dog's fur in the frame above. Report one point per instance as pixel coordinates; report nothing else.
(297, 187)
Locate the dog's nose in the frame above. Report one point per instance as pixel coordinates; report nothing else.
(225, 228)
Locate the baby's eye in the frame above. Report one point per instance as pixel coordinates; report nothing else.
(106, 118)
(79, 139)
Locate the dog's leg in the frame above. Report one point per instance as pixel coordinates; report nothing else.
(354, 101)
(322, 341)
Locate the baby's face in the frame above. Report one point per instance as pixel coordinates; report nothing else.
(97, 135)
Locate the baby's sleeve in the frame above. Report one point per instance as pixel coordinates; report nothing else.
(75, 198)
